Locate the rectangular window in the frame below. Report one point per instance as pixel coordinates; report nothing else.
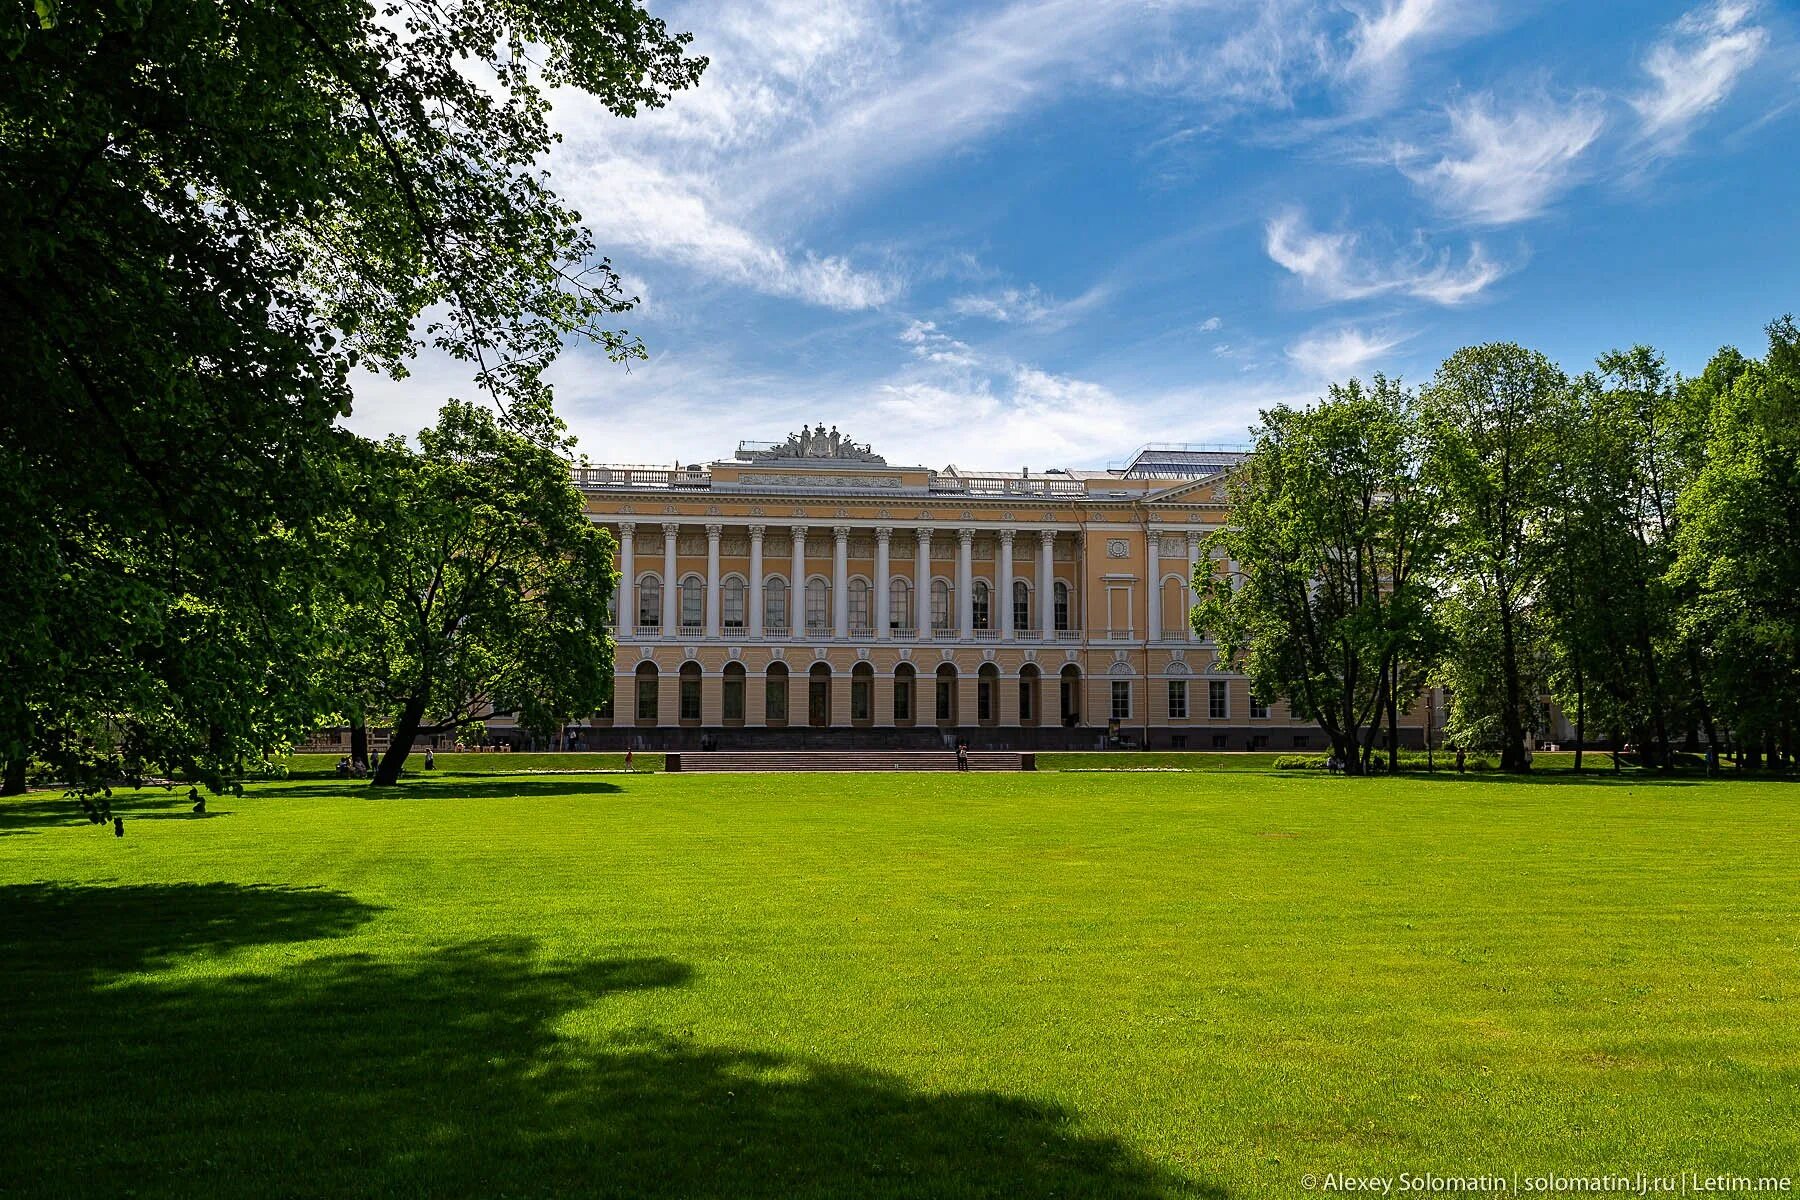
(1178, 741)
(1259, 741)
(859, 609)
(693, 604)
(1121, 699)
(1021, 609)
(1258, 710)
(775, 616)
(1218, 701)
(1218, 741)
(984, 700)
(646, 708)
(1062, 609)
(606, 710)
(861, 701)
(690, 699)
(1302, 741)
(1027, 698)
(980, 608)
(733, 698)
(649, 608)
(734, 607)
(775, 700)
(902, 700)
(816, 600)
(944, 698)
(1177, 699)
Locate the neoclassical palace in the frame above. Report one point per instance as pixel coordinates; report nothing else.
(809, 593)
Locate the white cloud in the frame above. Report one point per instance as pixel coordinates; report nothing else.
(1695, 67)
(631, 204)
(1334, 266)
(1335, 354)
(1383, 37)
(1210, 325)
(1027, 306)
(1495, 168)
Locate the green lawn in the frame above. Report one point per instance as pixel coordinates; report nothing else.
(925, 985)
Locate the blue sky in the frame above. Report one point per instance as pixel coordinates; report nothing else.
(1040, 234)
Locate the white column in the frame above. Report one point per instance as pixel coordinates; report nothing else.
(753, 620)
(1047, 583)
(883, 611)
(671, 586)
(1153, 610)
(965, 584)
(712, 579)
(840, 581)
(922, 585)
(1193, 549)
(1003, 585)
(627, 598)
(797, 600)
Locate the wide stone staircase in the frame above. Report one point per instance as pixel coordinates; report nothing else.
(847, 760)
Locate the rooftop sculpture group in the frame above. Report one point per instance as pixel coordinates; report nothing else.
(817, 443)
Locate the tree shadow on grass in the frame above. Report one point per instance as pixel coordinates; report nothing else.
(463, 1071)
(1553, 777)
(50, 809)
(454, 787)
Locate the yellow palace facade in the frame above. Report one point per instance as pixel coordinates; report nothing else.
(808, 593)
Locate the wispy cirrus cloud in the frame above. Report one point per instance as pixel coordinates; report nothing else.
(1028, 306)
(1497, 167)
(1337, 265)
(1695, 67)
(1335, 353)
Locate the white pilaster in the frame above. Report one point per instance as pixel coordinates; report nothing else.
(840, 580)
(671, 586)
(797, 603)
(712, 579)
(1046, 577)
(1003, 586)
(965, 584)
(922, 585)
(753, 620)
(1153, 610)
(883, 611)
(1193, 549)
(627, 598)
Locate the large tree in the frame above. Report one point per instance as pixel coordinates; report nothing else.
(1739, 544)
(490, 588)
(1333, 537)
(1491, 418)
(214, 209)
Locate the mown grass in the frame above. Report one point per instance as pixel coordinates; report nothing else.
(899, 985)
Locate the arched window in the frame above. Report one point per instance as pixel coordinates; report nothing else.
(646, 693)
(980, 604)
(818, 696)
(940, 605)
(775, 605)
(690, 693)
(1021, 601)
(900, 614)
(649, 602)
(904, 677)
(860, 620)
(987, 694)
(734, 603)
(775, 695)
(731, 694)
(862, 694)
(1028, 694)
(693, 602)
(818, 605)
(1062, 606)
(945, 709)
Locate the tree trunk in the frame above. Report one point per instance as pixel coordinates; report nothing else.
(1580, 716)
(406, 729)
(1348, 752)
(1512, 727)
(12, 782)
(359, 737)
(1618, 739)
(1394, 720)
